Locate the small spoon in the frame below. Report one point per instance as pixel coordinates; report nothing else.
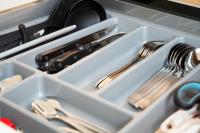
(50, 113)
(56, 105)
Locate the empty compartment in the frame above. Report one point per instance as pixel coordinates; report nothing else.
(114, 24)
(120, 90)
(77, 103)
(23, 120)
(88, 72)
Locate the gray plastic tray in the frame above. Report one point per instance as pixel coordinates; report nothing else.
(23, 120)
(74, 86)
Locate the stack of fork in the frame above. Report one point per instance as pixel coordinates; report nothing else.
(176, 67)
(147, 49)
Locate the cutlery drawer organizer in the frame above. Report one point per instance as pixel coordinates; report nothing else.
(74, 86)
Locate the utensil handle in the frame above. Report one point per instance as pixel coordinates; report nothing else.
(156, 93)
(55, 65)
(66, 60)
(121, 70)
(90, 126)
(144, 89)
(68, 130)
(72, 123)
(84, 123)
(106, 80)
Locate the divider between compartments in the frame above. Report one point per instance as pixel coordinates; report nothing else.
(122, 51)
(115, 118)
(37, 41)
(98, 55)
(160, 110)
(145, 62)
(10, 68)
(100, 100)
(36, 72)
(29, 56)
(96, 97)
(24, 119)
(119, 91)
(154, 115)
(122, 20)
(24, 81)
(28, 67)
(126, 74)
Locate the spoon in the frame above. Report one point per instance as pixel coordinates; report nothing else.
(167, 80)
(172, 71)
(56, 105)
(49, 113)
(193, 59)
(65, 129)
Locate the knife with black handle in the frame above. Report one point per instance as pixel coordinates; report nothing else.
(54, 52)
(47, 55)
(57, 65)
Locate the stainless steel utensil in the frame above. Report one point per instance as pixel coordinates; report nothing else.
(56, 105)
(58, 64)
(192, 60)
(146, 51)
(44, 58)
(65, 129)
(161, 76)
(49, 113)
(179, 62)
(68, 130)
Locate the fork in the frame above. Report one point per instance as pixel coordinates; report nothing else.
(146, 51)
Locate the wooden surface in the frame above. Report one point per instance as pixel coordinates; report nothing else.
(9, 5)
(185, 9)
(195, 3)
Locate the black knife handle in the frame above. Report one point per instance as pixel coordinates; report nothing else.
(52, 53)
(59, 64)
(52, 66)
